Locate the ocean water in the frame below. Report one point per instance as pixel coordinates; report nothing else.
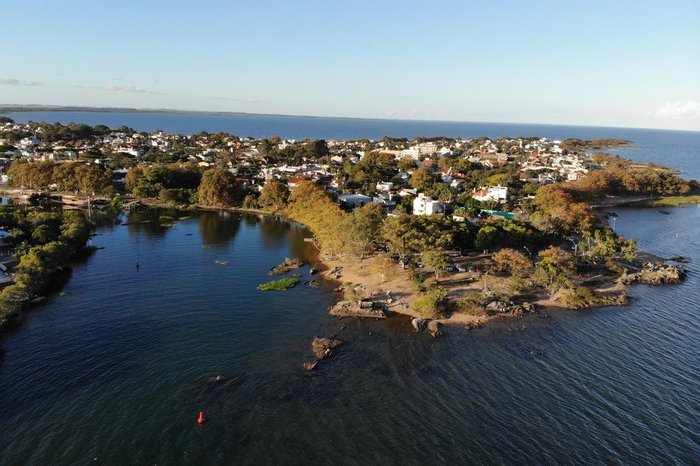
(116, 370)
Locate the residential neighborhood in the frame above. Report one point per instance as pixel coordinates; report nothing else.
(423, 176)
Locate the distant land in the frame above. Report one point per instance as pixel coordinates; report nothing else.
(10, 108)
(19, 108)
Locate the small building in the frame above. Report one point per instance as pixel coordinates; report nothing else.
(385, 186)
(354, 200)
(385, 200)
(491, 193)
(424, 205)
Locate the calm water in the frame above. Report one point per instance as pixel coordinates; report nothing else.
(117, 370)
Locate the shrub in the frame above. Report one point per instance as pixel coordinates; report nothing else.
(472, 303)
(433, 303)
(582, 296)
(352, 293)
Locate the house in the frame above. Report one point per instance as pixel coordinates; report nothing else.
(385, 200)
(424, 205)
(491, 193)
(354, 200)
(385, 186)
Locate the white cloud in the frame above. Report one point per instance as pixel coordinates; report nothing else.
(678, 110)
(17, 82)
(129, 89)
(9, 81)
(236, 99)
(125, 88)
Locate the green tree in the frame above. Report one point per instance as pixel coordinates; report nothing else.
(422, 179)
(512, 261)
(363, 228)
(274, 195)
(555, 269)
(219, 188)
(436, 261)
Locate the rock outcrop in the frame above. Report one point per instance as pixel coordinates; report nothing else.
(655, 274)
(322, 349)
(419, 324)
(357, 309)
(435, 328)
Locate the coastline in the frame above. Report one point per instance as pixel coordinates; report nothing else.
(375, 284)
(396, 284)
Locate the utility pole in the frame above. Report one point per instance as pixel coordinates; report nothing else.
(575, 246)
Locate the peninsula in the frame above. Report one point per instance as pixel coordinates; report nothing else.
(455, 230)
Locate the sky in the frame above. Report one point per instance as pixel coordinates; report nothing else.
(604, 63)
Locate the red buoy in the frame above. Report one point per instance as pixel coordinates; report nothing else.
(200, 420)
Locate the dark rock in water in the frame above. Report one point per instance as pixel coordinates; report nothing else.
(323, 347)
(313, 271)
(680, 259)
(354, 309)
(435, 328)
(286, 266)
(419, 324)
(473, 325)
(665, 212)
(313, 284)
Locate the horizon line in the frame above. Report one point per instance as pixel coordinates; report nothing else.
(25, 108)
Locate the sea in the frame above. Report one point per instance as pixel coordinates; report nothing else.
(116, 365)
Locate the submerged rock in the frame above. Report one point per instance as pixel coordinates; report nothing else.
(311, 365)
(323, 347)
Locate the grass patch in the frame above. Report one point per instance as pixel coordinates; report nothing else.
(279, 285)
(472, 303)
(669, 201)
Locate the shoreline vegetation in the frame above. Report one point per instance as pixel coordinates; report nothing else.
(510, 229)
(46, 244)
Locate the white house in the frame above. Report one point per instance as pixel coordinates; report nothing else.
(423, 205)
(385, 186)
(354, 200)
(491, 193)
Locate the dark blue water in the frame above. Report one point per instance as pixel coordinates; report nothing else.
(660, 146)
(117, 370)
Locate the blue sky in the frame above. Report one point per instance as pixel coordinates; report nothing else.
(612, 63)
